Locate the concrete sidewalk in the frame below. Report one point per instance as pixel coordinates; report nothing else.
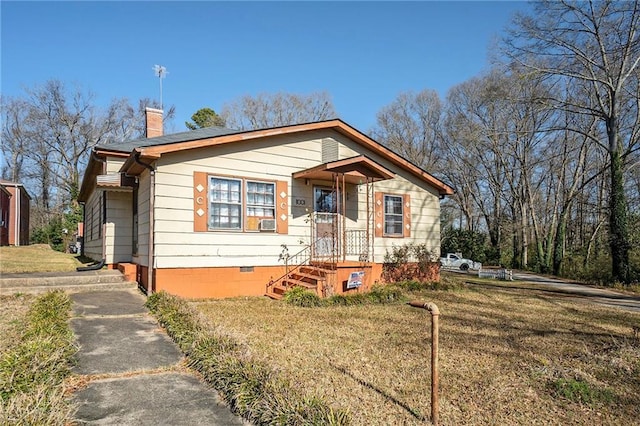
(133, 368)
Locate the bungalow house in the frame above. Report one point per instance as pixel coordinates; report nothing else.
(216, 212)
(14, 214)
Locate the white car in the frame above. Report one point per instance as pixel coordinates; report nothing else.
(455, 260)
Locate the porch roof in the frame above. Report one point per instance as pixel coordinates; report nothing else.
(355, 170)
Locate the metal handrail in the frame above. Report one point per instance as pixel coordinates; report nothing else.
(298, 263)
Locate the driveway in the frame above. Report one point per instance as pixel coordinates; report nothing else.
(570, 289)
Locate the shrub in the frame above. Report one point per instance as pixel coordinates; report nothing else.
(32, 372)
(410, 262)
(250, 387)
(385, 294)
(300, 296)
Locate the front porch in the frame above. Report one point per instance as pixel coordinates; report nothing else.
(323, 276)
(340, 256)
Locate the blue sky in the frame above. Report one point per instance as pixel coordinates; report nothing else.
(362, 53)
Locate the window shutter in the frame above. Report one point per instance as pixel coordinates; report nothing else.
(406, 221)
(200, 202)
(378, 212)
(282, 207)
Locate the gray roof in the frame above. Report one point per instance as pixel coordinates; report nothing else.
(191, 135)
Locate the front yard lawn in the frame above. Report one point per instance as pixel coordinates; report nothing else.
(507, 357)
(36, 258)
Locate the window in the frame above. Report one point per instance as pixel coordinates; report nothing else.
(393, 215)
(225, 203)
(260, 203)
(324, 200)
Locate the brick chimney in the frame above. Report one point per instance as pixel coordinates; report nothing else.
(154, 122)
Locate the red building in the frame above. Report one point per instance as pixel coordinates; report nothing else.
(14, 214)
(5, 200)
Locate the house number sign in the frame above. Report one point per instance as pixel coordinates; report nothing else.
(300, 202)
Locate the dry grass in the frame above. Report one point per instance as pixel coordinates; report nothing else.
(34, 365)
(505, 357)
(35, 258)
(13, 310)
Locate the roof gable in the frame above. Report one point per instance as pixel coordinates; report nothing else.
(143, 152)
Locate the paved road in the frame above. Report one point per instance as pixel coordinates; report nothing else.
(576, 291)
(560, 288)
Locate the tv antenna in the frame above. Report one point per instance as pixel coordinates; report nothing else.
(161, 72)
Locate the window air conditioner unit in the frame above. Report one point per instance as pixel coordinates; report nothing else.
(267, 224)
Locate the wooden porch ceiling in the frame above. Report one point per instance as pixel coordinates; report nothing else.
(356, 170)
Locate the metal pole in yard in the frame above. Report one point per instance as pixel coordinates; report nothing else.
(435, 313)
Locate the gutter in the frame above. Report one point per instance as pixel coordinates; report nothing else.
(152, 196)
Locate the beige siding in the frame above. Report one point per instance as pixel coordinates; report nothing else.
(118, 227)
(176, 245)
(92, 236)
(142, 256)
(425, 202)
(114, 164)
(425, 217)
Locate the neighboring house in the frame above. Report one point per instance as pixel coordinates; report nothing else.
(5, 202)
(216, 212)
(14, 214)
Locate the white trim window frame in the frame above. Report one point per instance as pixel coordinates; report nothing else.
(225, 204)
(393, 215)
(260, 199)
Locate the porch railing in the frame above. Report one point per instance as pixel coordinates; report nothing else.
(338, 242)
(357, 243)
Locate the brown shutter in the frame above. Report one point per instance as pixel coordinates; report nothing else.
(282, 207)
(378, 212)
(200, 202)
(407, 215)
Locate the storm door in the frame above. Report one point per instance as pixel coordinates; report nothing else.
(325, 222)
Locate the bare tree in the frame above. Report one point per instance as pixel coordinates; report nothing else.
(15, 140)
(127, 121)
(593, 47)
(279, 109)
(47, 136)
(411, 126)
(476, 131)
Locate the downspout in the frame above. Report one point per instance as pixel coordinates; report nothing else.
(103, 226)
(84, 220)
(152, 184)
